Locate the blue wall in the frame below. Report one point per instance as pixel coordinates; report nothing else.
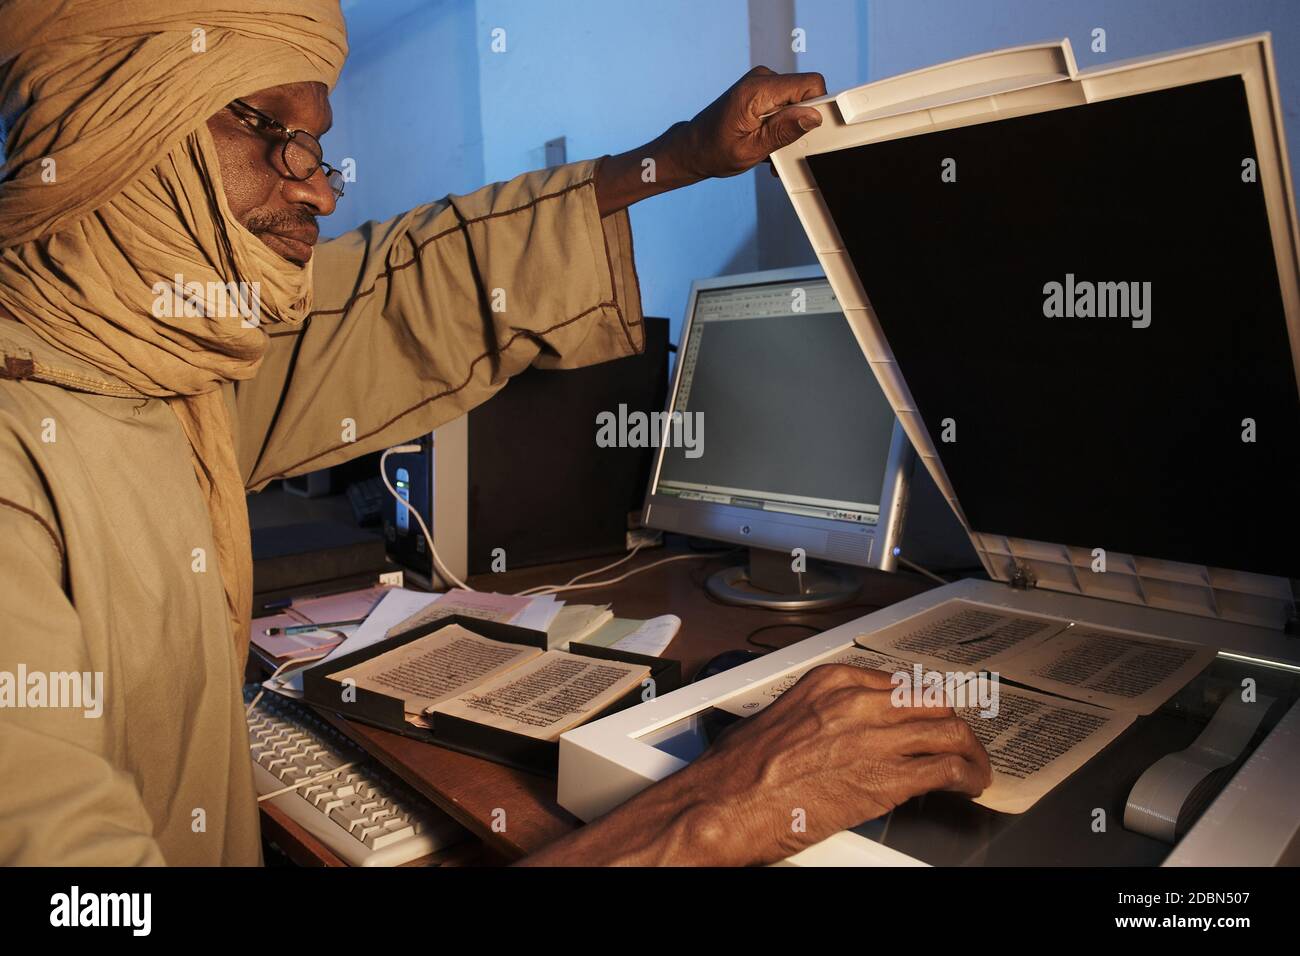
(606, 75)
(610, 76)
(406, 108)
(835, 32)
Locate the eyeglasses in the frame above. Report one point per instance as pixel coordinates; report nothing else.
(301, 152)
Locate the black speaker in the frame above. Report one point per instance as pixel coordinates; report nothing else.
(539, 486)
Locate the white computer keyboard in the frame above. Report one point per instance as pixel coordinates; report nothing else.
(363, 813)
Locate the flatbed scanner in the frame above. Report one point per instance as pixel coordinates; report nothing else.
(1080, 292)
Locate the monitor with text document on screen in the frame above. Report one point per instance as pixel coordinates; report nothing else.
(793, 450)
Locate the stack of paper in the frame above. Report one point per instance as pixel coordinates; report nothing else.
(322, 610)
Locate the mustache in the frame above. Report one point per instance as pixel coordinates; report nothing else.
(280, 220)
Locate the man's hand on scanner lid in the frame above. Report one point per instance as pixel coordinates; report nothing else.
(737, 131)
(753, 119)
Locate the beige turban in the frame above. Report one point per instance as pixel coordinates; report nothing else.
(111, 186)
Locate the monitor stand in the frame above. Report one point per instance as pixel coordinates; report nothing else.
(768, 581)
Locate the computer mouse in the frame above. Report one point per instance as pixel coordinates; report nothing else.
(725, 662)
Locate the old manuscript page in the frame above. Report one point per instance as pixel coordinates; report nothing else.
(1108, 668)
(547, 696)
(959, 635)
(436, 667)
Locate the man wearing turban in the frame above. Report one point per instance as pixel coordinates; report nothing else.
(155, 152)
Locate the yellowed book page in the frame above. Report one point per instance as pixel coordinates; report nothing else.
(436, 667)
(759, 695)
(547, 696)
(960, 635)
(1035, 741)
(1109, 668)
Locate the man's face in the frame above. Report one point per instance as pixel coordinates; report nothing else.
(279, 210)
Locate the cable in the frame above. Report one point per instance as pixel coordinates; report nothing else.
(276, 673)
(414, 512)
(258, 696)
(310, 780)
(527, 592)
(621, 577)
(550, 588)
(884, 834)
(920, 570)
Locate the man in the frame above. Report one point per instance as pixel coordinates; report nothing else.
(158, 152)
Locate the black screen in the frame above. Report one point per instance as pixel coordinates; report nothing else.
(1089, 431)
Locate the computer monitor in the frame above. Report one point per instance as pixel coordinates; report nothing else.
(778, 438)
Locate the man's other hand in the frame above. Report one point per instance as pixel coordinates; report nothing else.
(750, 121)
(832, 752)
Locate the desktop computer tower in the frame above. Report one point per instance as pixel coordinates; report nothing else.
(520, 480)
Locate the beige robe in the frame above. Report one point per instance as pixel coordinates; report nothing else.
(106, 555)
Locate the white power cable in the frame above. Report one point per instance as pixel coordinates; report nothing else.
(289, 663)
(414, 512)
(551, 588)
(528, 592)
(310, 780)
(622, 577)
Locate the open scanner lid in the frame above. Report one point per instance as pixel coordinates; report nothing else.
(1080, 291)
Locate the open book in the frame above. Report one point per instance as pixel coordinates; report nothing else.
(513, 687)
(965, 653)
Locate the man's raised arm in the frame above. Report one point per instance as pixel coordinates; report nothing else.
(420, 318)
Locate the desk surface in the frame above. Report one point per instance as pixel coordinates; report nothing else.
(513, 812)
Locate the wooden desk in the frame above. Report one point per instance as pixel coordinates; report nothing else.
(513, 812)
